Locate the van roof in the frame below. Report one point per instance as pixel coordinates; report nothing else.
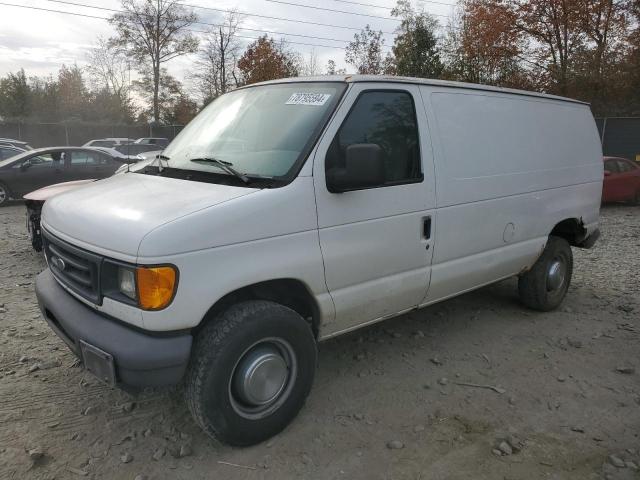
(417, 81)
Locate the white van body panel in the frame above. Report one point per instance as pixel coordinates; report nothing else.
(208, 275)
(492, 145)
(376, 258)
(266, 213)
(508, 169)
(124, 208)
(208, 243)
(500, 168)
(266, 236)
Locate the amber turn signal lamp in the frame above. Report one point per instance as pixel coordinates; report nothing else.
(156, 286)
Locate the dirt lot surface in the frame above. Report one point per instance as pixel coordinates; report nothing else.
(388, 401)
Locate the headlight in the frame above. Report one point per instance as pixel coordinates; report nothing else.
(150, 288)
(127, 282)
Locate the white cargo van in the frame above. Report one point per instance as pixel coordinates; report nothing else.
(293, 211)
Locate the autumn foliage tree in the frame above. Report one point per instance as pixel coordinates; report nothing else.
(174, 107)
(576, 48)
(632, 61)
(555, 28)
(484, 47)
(59, 98)
(605, 24)
(415, 50)
(266, 60)
(365, 52)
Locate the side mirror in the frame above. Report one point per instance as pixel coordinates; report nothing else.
(364, 167)
(607, 173)
(25, 165)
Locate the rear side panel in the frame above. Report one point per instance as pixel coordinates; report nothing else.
(494, 145)
(508, 169)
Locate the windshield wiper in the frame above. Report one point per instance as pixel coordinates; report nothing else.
(226, 166)
(159, 158)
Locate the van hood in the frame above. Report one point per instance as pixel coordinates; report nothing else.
(46, 193)
(116, 213)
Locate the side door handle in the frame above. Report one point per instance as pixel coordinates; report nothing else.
(426, 228)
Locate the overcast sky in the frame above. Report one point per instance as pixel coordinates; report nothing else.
(41, 41)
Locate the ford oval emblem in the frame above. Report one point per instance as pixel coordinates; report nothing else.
(59, 263)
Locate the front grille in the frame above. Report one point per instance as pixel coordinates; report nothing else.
(75, 268)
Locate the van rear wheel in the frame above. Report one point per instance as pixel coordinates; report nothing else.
(545, 285)
(251, 371)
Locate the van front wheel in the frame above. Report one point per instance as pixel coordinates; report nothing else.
(545, 285)
(251, 371)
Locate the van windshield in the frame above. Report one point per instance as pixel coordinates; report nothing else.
(259, 131)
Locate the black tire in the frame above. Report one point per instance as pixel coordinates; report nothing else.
(636, 199)
(538, 288)
(36, 241)
(5, 194)
(220, 349)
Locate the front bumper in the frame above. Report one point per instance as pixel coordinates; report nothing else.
(140, 359)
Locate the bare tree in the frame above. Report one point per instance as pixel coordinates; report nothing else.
(108, 68)
(215, 71)
(332, 69)
(154, 32)
(311, 65)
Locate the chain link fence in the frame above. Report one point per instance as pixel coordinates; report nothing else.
(620, 136)
(76, 134)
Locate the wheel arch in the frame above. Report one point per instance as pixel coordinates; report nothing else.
(290, 292)
(571, 229)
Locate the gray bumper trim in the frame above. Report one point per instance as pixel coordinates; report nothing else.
(141, 359)
(591, 240)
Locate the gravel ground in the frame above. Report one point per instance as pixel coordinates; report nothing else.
(389, 401)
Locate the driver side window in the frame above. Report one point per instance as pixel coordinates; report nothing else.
(386, 118)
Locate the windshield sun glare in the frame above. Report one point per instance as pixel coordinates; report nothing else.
(262, 131)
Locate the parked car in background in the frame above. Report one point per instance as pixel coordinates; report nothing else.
(15, 143)
(149, 155)
(108, 142)
(621, 181)
(34, 201)
(115, 153)
(8, 151)
(132, 149)
(157, 141)
(35, 169)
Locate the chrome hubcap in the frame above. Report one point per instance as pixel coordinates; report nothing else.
(261, 376)
(555, 275)
(3, 195)
(262, 379)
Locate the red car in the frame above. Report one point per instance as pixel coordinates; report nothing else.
(621, 181)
